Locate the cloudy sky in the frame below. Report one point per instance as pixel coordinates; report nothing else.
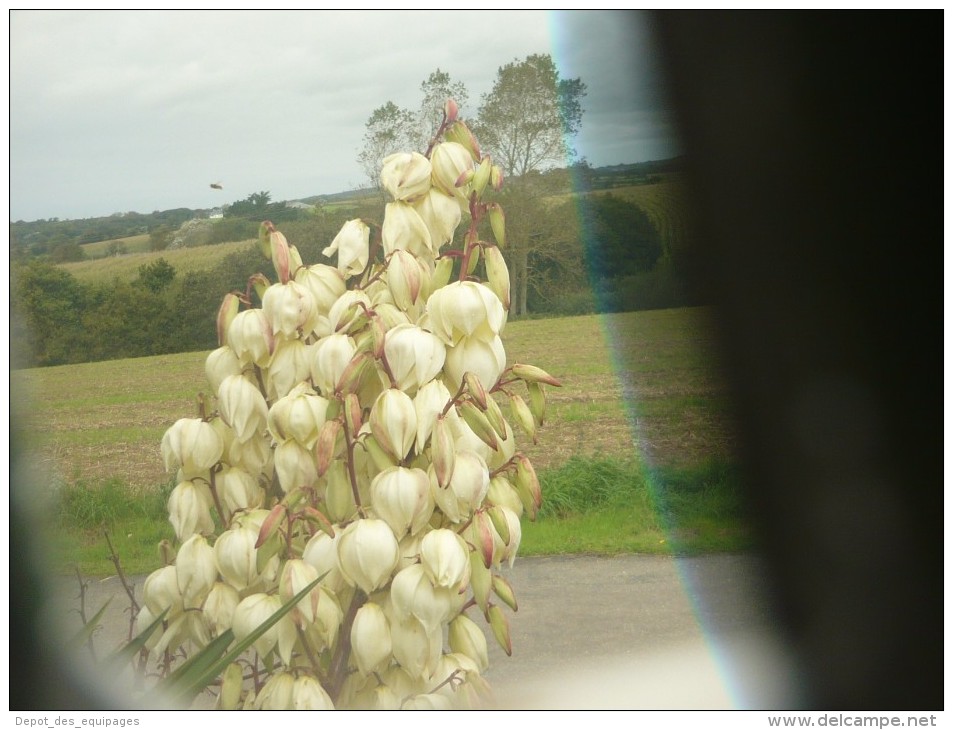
(140, 110)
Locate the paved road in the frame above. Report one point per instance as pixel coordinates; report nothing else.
(632, 631)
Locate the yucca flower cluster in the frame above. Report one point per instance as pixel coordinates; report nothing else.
(356, 438)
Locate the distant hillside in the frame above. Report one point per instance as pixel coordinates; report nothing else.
(43, 237)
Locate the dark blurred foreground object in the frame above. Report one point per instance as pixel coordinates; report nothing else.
(815, 141)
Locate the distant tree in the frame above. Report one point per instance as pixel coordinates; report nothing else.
(66, 252)
(543, 251)
(389, 129)
(47, 303)
(115, 248)
(156, 276)
(526, 120)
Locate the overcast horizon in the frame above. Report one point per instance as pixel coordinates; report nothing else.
(149, 115)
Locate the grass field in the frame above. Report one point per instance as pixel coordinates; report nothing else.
(130, 244)
(641, 395)
(126, 267)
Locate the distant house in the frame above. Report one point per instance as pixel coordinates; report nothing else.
(299, 205)
(216, 213)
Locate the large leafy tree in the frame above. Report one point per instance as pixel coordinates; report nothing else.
(525, 123)
(530, 115)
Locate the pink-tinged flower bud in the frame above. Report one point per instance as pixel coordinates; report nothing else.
(442, 452)
(466, 638)
(403, 279)
(484, 358)
(412, 594)
(189, 509)
(497, 275)
(298, 416)
(226, 314)
(496, 178)
(251, 338)
(219, 607)
(353, 415)
(415, 356)
(367, 554)
(352, 378)
(328, 446)
(465, 309)
(242, 406)
(329, 357)
(481, 536)
(289, 308)
(252, 612)
(352, 245)
(406, 175)
(449, 160)
(220, 364)
(416, 648)
(195, 570)
(191, 445)
(393, 422)
(308, 694)
(295, 577)
(290, 365)
(441, 214)
(445, 558)
(405, 230)
(450, 110)
(295, 465)
(325, 283)
(370, 639)
(401, 497)
(280, 256)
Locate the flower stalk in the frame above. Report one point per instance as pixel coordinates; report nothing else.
(355, 436)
